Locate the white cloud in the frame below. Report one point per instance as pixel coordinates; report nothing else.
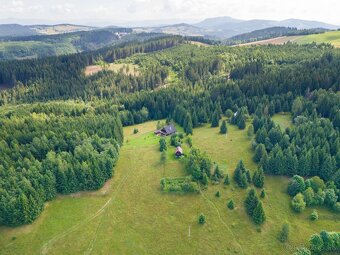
(118, 10)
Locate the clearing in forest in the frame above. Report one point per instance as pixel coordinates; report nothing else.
(133, 216)
(125, 68)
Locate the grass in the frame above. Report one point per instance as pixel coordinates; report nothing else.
(130, 215)
(284, 120)
(332, 37)
(125, 68)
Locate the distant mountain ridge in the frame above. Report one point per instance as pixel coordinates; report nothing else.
(229, 27)
(16, 30)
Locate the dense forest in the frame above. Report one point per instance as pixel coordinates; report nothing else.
(67, 148)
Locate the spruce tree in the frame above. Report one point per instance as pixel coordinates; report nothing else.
(187, 126)
(215, 119)
(226, 180)
(284, 233)
(231, 204)
(223, 128)
(258, 178)
(241, 123)
(259, 152)
(259, 215)
(251, 202)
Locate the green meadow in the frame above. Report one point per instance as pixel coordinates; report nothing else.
(131, 215)
(332, 37)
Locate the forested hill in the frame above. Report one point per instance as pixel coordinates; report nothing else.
(38, 46)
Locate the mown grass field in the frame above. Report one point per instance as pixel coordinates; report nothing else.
(131, 215)
(332, 37)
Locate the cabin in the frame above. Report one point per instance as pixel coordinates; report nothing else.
(179, 151)
(167, 130)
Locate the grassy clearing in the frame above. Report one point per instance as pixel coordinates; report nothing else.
(125, 68)
(332, 37)
(133, 216)
(283, 119)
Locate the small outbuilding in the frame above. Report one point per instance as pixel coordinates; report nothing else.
(179, 151)
(167, 130)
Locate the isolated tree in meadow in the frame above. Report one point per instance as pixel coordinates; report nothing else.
(258, 178)
(215, 119)
(231, 204)
(226, 180)
(201, 219)
(314, 215)
(284, 233)
(259, 215)
(162, 144)
(298, 203)
(223, 128)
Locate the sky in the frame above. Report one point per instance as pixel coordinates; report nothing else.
(111, 12)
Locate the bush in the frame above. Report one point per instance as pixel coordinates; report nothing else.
(314, 216)
(263, 193)
(217, 194)
(284, 233)
(298, 203)
(296, 185)
(226, 180)
(135, 131)
(179, 184)
(201, 219)
(162, 144)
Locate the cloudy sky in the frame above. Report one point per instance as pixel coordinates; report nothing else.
(118, 11)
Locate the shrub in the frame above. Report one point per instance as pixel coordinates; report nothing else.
(135, 130)
(217, 194)
(284, 233)
(314, 216)
(201, 219)
(229, 113)
(179, 184)
(298, 203)
(296, 185)
(263, 193)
